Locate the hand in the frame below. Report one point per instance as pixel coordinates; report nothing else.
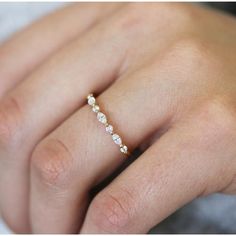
(164, 75)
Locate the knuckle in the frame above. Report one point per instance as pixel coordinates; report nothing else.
(201, 56)
(189, 54)
(175, 11)
(129, 20)
(179, 13)
(52, 163)
(184, 14)
(218, 121)
(10, 119)
(190, 48)
(134, 17)
(111, 211)
(131, 12)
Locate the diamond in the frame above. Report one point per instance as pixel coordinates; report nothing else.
(116, 138)
(96, 108)
(124, 149)
(91, 100)
(109, 129)
(101, 117)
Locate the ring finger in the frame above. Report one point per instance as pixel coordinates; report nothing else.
(79, 154)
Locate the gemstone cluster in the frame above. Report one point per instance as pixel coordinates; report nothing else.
(103, 119)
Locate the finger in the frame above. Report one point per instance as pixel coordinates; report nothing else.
(63, 82)
(182, 165)
(79, 154)
(27, 49)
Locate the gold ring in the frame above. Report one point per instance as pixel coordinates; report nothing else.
(108, 127)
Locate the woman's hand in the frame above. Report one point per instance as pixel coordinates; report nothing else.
(165, 74)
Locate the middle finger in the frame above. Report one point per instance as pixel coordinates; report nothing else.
(44, 100)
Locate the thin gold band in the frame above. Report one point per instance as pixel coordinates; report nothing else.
(109, 128)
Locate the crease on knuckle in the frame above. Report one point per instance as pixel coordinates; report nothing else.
(112, 211)
(52, 163)
(196, 54)
(10, 117)
(218, 121)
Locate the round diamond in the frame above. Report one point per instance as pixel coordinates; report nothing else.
(96, 108)
(109, 129)
(91, 100)
(101, 117)
(124, 149)
(116, 138)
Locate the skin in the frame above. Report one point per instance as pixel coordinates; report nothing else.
(165, 76)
